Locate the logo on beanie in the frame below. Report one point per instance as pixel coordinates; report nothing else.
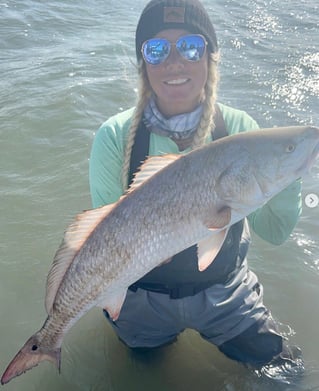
(174, 15)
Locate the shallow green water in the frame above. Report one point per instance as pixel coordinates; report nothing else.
(65, 67)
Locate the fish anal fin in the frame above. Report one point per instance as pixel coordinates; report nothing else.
(208, 248)
(74, 237)
(113, 304)
(151, 166)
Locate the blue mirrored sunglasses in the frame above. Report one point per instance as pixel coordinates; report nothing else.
(191, 47)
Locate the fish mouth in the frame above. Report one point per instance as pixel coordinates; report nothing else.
(314, 156)
(310, 161)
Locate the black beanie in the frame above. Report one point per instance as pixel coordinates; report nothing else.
(160, 15)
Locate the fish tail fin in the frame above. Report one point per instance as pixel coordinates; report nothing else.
(30, 355)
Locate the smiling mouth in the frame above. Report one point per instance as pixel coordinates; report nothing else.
(176, 82)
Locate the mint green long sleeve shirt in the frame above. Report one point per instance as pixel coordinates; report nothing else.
(273, 222)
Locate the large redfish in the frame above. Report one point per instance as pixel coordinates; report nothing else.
(174, 203)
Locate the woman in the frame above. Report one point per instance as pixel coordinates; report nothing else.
(177, 55)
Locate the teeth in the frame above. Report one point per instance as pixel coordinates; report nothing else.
(177, 81)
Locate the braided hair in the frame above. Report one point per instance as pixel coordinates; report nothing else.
(206, 124)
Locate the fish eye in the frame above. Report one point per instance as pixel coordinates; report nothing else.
(290, 148)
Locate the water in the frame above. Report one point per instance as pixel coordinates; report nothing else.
(67, 66)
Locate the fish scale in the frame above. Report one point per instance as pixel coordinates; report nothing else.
(174, 203)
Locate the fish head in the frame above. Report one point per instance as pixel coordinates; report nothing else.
(29, 356)
(311, 141)
(262, 163)
(286, 154)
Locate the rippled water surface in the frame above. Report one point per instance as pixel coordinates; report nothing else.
(67, 66)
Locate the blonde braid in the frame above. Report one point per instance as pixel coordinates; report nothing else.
(207, 124)
(144, 93)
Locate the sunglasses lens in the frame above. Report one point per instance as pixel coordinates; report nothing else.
(191, 47)
(156, 50)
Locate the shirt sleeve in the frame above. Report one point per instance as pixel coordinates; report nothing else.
(105, 166)
(275, 221)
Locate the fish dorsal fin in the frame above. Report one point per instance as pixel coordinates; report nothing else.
(74, 237)
(151, 166)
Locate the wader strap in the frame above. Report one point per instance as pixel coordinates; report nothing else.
(140, 151)
(142, 141)
(177, 292)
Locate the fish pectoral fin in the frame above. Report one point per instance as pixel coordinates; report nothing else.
(114, 303)
(220, 219)
(208, 248)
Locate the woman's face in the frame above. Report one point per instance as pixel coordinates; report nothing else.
(178, 84)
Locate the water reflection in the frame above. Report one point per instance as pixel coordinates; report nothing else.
(65, 68)
(297, 82)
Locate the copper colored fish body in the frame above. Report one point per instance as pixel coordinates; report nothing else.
(174, 203)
